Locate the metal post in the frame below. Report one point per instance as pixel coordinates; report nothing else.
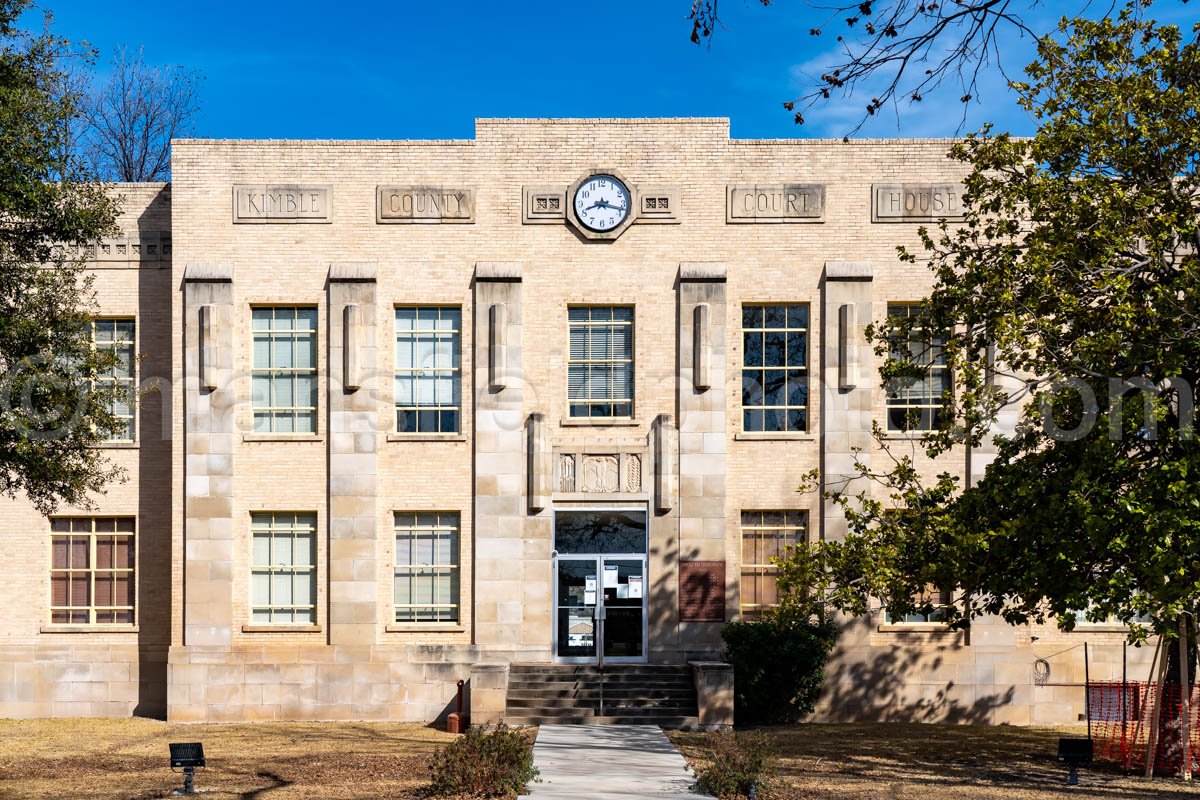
(1185, 711)
(600, 615)
(189, 781)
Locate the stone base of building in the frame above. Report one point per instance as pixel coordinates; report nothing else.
(82, 680)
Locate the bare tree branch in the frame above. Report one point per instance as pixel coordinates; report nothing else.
(130, 121)
(914, 46)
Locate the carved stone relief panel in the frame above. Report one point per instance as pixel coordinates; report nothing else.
(633, 473)
(600, 475)
(566, 473)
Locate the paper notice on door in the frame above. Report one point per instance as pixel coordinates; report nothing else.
(589, 598)
(610, 576)
(635, 587)
(589, 590)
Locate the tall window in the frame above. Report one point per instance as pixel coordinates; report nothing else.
(775, 368)
(285, 370)
(915, 403)
(427, 579)
(600, 363)
(428, 371)
(765, 535)
(91, 570)
(117, 336)
(283, 575)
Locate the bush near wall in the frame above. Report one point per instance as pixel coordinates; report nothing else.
(778, 666)
(484, 763)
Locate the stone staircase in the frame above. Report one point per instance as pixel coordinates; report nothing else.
(644, 694)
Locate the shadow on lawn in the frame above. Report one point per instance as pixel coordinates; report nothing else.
(1021, 760)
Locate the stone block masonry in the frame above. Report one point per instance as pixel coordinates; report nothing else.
(352, 231)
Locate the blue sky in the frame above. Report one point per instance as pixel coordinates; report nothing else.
(404, 69)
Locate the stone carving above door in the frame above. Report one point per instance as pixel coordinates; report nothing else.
(601, 474)
(583, 473)
(566, 473)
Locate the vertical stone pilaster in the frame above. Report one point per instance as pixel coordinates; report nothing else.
(208, 456)
(847, 393)
(353, 442)
(701, 339)
(500, 461)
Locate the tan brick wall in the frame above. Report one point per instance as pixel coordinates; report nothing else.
(409, 673)
(45, 671)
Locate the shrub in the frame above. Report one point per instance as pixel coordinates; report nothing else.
(737, 762)
(778, 666)
(483, 763)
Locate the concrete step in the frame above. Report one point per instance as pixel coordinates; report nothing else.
(589, 693)
(594, 702)
(595, 685)
(681, 722)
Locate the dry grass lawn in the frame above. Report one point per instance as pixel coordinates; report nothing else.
(127, 759)
(897, 761)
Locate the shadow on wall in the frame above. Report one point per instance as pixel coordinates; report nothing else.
(904, 684)
(154, 528)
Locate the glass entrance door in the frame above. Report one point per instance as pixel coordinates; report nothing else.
(600, 599)
(600, 586)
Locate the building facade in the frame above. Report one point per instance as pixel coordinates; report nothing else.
(406, 407)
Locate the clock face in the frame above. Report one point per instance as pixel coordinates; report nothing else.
(601, 203)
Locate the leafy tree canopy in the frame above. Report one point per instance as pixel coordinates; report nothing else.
(53, 410)
(1072, 293)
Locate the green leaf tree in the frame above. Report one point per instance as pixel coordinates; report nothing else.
(1071, 292)
(53, 408)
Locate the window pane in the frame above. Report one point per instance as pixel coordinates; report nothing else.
(753, 348)
(797, 349)
(774, 349)
(104, 552)
(775, 317)
(80, 556)
(282, 352)
(281, 550)
(262, 352)
(306, 352)
(59, 551)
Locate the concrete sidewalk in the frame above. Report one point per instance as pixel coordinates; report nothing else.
(609, 762)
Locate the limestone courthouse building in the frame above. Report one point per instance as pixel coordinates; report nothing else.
(405, 413)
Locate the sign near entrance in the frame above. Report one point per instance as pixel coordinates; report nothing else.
(610, 576)
(424, 204)
(635, 587)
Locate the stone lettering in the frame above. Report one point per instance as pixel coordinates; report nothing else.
(916, 202)
(793, 202)
(280, 203)
(424, 204)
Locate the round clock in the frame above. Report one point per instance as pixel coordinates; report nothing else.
(602, 202)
